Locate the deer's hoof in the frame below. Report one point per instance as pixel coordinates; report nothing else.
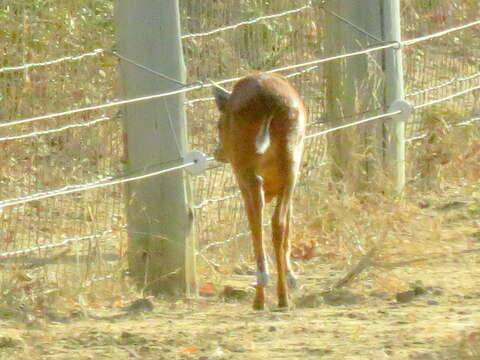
(258, 306)
(291, 280)
(262, 278)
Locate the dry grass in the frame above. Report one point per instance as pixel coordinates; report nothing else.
(344, 227)
(433, 222)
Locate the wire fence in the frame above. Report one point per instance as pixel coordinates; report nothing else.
(63, 171)
(51, 62)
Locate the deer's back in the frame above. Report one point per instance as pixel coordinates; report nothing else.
(257, 99)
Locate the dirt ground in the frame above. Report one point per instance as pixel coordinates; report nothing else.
(423, 307)
(434, 324)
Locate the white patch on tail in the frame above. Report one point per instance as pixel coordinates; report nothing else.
(262, 141)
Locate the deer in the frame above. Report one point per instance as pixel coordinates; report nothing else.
(261, 131)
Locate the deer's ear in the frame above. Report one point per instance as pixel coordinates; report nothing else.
(221, 97)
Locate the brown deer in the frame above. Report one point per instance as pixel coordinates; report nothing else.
(262, 128)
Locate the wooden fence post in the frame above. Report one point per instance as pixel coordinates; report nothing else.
(161, 246)
(395, 128)
(353, 85)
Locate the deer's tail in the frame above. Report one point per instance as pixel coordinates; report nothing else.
(262, 141)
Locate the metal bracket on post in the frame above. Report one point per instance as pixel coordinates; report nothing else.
(404, 106)
(198, 160)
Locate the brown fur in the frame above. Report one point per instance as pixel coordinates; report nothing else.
(268, 101)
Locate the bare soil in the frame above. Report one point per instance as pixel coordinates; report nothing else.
(416, 296)
(440, 322)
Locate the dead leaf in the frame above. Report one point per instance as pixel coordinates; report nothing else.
(21, 276)
(190, 349)
(305, 251)
(206, 289)
(473, 337)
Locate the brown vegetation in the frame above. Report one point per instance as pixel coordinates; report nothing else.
(430, 234)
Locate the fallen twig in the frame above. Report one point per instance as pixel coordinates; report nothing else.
(364, 263)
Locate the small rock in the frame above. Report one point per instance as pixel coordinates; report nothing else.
(432, 302)
(55, 317)
(244, 270)
(138, 306)
(476, 236)
(237, 348)
(8, 342)
(452, 205)
(405, 296)
(419, 289)
(423, 205)
(342, 297)
(357, 316)
(437, 291)
(309, 301)
(231, 293)
(423, 356)
(379, 294)
(128, 338)
(319, 352)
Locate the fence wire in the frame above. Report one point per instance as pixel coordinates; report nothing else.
(84, 146)
(188, 88)
(437, 68)
(62, 59)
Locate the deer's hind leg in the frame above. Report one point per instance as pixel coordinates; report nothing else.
(291, 278)
(280, 228)
(254, 198)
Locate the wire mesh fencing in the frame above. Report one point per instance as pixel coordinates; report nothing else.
(230, 41)
(51, 63)
(435, 70)
(70, 238)
(222, 229)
